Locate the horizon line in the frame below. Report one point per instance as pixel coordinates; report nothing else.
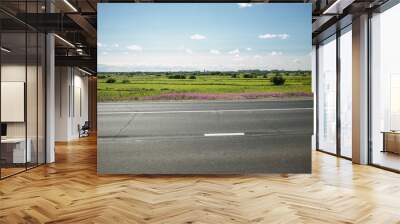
(244, 70)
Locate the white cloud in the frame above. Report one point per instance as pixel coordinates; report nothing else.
(236, 51)
(237, 58)
(100, 44)
(275, 53)
(282, 36)
(184, 49)
(296, 61)
(248, 49)
(244, 5)
(189, 51)
(126, 53)
(115, 45)
(104, 53)
(215, 51)
(198, 37)
(135, 48)
(182, 61)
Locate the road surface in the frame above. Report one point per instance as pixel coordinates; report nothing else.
(205, 137)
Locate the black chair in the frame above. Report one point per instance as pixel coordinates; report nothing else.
(84, 130)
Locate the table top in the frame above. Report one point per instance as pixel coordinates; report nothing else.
(13, 140)
(391, 132)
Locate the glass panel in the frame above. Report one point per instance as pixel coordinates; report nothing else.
(22, 89)
(13, 86)
(41, 98)
(31, 98)
(346, 93)
(32, 87)
(327, 96)
(386, 89)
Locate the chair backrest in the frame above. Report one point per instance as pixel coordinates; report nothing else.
(86, 125)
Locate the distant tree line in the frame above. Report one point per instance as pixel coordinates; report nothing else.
(257, 73)
(276, 77)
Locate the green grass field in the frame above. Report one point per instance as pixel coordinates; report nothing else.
(141, 87)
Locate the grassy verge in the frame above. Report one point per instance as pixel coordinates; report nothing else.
(127, 87)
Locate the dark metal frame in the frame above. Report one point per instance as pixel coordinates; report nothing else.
(338, 98)
(316, 97)
(369, 90)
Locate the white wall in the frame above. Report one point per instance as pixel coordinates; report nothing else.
(17, 73)
(33, 125)
(70, 83)
(81, 89)
(62, 82)
(12, 73)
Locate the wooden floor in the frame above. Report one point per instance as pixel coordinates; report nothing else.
(69, 191)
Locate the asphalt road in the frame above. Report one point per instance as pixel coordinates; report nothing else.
(211, 137)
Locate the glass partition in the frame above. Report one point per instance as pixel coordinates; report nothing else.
(14, 153)
(346, 92)
(41, 97)
(385, 89)
(22, 88)
(327, 95)
(31, 97)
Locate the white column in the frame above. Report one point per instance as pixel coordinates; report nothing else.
(50, 99)
(360, 90)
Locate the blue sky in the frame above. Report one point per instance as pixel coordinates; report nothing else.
(176, 37)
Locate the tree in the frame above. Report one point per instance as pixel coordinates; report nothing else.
(111, 80)
(278, 80)
(177, 76)
(249, 76)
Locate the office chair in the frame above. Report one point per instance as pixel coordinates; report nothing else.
(84, 130)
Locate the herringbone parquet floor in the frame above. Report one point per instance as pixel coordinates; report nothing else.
(69, 191)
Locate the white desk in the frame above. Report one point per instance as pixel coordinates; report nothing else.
(19, 154)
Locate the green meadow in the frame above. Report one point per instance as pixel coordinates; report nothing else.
(142, 86)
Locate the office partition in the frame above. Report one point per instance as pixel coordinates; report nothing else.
(22, 78)
(345, 53)
(385, 89)
(327, 95)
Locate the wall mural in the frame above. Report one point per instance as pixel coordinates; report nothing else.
(204, 88)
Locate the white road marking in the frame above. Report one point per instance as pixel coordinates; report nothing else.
(223, 134)
(199, 111)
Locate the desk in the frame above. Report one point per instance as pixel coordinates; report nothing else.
(16, 147)
(391, 141)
